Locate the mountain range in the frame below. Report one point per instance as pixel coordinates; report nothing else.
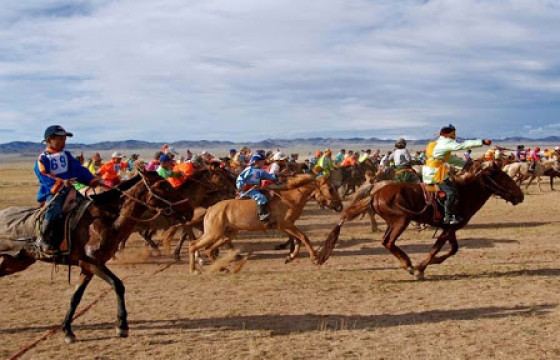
(32, 148)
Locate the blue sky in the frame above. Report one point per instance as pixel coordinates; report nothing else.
(255, 69)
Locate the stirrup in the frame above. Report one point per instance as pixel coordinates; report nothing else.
(452, 219)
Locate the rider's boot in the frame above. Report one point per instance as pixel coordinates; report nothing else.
(48, 235)
(450, 218)
(264, 214)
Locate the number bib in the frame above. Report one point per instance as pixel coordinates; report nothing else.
(58, 163)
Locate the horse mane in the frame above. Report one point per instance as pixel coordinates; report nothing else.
(469, 177)
(299, 180)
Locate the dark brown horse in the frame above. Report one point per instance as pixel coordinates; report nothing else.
(203, 189)
(109, 219)
(400, 203)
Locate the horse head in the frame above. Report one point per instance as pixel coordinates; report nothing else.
(326, 194)
(499, 183)
(159, 196)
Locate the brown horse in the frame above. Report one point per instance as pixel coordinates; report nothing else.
(223, 220)
(400, 203)
(203, 189)
(109, 218)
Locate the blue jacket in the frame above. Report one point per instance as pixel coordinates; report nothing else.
(253, 176)
(62, 165)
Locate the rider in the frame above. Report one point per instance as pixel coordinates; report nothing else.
(340, 156)
(110, 171)
(325, 162)
(520, 154)
(534, 158)
(402, 160)
(248, 184)
(435, 172)
(56, 170)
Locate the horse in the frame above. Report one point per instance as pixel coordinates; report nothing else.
(520, 172)
(203, 188)
(106, 221)
(400, 203)
(223, 220)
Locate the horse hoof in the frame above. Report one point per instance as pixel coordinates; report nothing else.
(122, 332)
(410, 270)
(70, 339)
(177, 257)
(288, 259)
(419, 275)
(195, 272)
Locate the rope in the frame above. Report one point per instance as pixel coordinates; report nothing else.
(57, 328)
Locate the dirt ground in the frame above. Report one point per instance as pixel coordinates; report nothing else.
(498, 298)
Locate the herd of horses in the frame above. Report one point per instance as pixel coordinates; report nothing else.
(147, 203)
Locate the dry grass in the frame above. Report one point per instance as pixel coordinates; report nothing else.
(496, 299)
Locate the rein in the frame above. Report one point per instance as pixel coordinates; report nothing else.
(498, 190)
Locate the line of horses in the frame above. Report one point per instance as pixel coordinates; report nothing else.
(147, 203)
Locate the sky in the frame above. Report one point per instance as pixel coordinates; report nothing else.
(248, 70)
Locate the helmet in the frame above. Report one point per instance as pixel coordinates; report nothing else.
(328, 151)
(318, 153)
(447, 129)
(537, 149)
(231, 151)
(557, 148)
(255, 158)
(56, 130)
(400, 143)
(279, 156)
(520, 147)
(117, 155)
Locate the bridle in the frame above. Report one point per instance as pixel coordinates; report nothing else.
(495, 188)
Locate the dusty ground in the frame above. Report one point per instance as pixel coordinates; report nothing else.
(497, 298)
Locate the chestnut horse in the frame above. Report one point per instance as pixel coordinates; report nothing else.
(223, 220)
(400, 203)
(109, 218)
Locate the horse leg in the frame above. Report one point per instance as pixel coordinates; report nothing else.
(431, 258)
(374, 227)
(104, 273)
(203, 242)
(290, 242)
(148, 238)
(187, 231)
(393, 232)
(293, 230)
(85, 278)
(13, 264)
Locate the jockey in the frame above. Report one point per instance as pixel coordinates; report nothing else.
(165, 169)
(467, 155)
(556, 153)
(340, 157)
(435, 172)
(520, 154)
(401, 158)
(350, 160)
(313, 160)
(534, 158)
(325, 162)
(110, 171)
(248, 184)
(56, 169)
(279, 163)
(366, 155)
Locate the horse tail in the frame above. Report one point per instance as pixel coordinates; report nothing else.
(327, 248)
(359, 205)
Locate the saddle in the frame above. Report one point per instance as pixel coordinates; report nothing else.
(73, 210)
(434, 196)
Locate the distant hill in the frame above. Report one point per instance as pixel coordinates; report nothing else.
(33, 148)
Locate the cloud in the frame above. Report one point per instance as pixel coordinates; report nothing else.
(249, 70)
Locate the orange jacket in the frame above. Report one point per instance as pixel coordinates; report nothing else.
(348, 161)
(186, 170)
(110, 170)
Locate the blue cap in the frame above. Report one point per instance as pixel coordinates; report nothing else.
(56, 130)
(232, 151)
(164, 158)
(255, 158)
